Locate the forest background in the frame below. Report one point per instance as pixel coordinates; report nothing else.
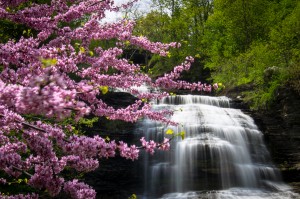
(246, 43)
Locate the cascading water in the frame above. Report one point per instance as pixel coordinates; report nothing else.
(222, 156)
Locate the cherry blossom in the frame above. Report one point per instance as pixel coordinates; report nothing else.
(56, 74)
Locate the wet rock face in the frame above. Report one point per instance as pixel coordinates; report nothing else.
(116, 177)
(118, 99)
(281, 127)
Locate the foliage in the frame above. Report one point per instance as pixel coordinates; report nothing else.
(239, 41)
(52, 80)
(254, 42)
(180, 21)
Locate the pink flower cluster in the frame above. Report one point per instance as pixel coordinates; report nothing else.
(165, 145)
(79, 190)
(128, 152)
(78, 152)
(148, 145)
(2, 181)
(169, 81)
(55, 74)
(20, 196)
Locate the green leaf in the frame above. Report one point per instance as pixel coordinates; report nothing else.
(48, 62)
(169, 54)
(81, 49)
(104, 89)
(169, 132)
(133, 196)
(182, 134)
(127, 43)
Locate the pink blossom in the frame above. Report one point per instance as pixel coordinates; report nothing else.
(2, 181)
(55, 74)
(21, 196)
(128, 152)
(148, 145)
(165, 145)
(215, 85)
(79, 190)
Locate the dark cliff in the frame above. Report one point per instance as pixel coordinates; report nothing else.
(281, 127)
(116, 177)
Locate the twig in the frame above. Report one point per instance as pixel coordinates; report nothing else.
(159, 145)
(33, 127)
(21, 170)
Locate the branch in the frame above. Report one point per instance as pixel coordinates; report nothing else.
(27, 124)
(159, 145)
(33, 127)
(21, 170)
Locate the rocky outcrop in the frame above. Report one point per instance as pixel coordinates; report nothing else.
(118, 99)
(281, 127)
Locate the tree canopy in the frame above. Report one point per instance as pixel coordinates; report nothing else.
(254, 42)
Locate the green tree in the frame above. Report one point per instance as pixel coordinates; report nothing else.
(254, 42)
(180, 21)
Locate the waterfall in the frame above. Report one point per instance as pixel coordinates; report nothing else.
(223, 154)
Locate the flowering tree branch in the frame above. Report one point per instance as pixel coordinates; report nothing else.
(37, 78)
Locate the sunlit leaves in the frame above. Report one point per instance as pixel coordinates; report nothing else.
(48, 62)
(103, 89)
(198, 56)
(88, 122)
(133, 196)
(169, 55)
(91, 53)
(82, 50)
(182, 135)
(127, 43)
(169, 132)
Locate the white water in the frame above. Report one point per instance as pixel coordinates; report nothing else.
(222, 156)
